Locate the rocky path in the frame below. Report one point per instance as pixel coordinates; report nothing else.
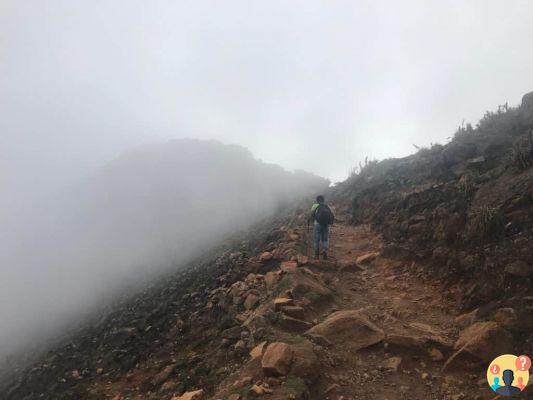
(416, 319)
(273, 324)
(357, 326)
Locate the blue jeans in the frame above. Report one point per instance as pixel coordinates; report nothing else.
(321, 234)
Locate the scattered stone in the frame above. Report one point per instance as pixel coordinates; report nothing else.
(435, 354)
(258, 350)
(234, 396)
(351, 329)
(277, 359)
(193, 395)
(257, 390)
(392, 364)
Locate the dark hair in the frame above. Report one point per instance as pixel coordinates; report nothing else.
(320, 199)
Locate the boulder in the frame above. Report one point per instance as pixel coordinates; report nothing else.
(194, 395)
(265, 256)
(277, 359)
(305, 363)
(350, 328)
(485, 340)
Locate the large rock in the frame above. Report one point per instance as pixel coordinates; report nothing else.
(485, 340)
(305, 363)
(277, 359)
(351, 329)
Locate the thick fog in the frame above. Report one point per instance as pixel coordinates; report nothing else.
(147, 211)
(86, 86)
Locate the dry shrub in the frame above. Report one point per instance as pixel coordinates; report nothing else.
(486, 221)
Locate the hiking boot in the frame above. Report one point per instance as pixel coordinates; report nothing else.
(325, 255)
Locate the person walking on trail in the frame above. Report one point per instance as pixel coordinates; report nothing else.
(323, 217)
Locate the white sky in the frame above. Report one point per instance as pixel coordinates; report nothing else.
(316, 85)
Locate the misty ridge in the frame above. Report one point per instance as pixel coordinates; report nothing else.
(146, 212)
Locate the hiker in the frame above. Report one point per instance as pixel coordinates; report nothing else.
(323, 217)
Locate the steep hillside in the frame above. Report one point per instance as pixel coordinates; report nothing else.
(465, 208)
(428, 280)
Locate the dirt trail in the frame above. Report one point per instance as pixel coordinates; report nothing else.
(418, 321)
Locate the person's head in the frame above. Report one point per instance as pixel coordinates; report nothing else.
(496, 380)
(320, 199)
(508, 377)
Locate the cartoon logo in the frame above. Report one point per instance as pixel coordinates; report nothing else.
(508, 374)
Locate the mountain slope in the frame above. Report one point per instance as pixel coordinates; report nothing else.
(429, 279)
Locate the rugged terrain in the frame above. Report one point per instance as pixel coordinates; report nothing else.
(429, 279)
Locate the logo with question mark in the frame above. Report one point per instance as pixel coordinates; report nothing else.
(508, 374)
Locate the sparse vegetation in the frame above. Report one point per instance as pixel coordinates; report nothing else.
(521, 153)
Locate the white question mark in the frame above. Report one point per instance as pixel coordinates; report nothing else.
(523, 362)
